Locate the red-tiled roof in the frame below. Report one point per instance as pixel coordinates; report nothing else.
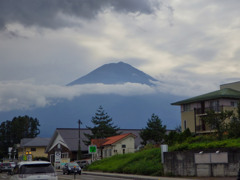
(98, 142)
(110, 140)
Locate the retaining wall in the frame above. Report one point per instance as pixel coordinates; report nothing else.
(198, 163)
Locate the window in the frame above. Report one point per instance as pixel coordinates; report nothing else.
(185, 125)
(186, 107)
(123, 145)
(109, 152)
(36, 168)
(214, 105)
(234, 104)
(64, 155)
(33, 149)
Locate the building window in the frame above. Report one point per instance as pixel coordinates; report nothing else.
(185, 125)
(186, 107)
(64, 155)
(123, 151)
(214, 105)
(33, 149)
(123, 145)
(234, 104)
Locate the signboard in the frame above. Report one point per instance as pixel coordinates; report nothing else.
(29, 157)
(92, 149)
(57, 156)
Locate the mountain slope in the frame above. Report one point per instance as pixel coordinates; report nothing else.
(115, 73)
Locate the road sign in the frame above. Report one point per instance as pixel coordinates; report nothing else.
(92, 149)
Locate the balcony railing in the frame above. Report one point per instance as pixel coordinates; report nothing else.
(205, 110)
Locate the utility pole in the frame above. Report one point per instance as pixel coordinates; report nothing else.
(79, 140)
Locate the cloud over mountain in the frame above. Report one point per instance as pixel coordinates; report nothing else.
(115, 78)
(25, 95)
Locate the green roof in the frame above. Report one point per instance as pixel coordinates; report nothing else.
(223, 93)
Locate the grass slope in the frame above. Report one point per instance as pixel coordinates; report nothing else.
(145, 162)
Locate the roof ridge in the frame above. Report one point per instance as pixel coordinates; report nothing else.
(222, 93)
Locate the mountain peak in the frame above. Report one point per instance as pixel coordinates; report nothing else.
(115, 73)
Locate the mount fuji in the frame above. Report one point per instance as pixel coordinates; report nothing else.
(127, 111)
(115, 73)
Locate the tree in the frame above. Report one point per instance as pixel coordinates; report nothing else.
(234, 124)
(217, 121)
(154, 132)
(103, 126)
(11, 132)
(177, 136)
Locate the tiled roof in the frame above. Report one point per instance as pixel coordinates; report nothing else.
(111, 140)
(34, 142)
(98, 142)
(223, 93)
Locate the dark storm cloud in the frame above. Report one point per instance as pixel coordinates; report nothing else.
(46, 12)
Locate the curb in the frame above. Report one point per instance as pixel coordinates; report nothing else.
(133, 176)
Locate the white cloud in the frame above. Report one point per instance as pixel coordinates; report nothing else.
(190, 46)
(26, 95)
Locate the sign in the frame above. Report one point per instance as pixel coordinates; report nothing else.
(92, 149)
(57, 156)
(10, 149)
(29, 157)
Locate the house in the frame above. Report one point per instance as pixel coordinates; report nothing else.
(34, 146)
(63, 146)
(194, 108)
(120, 144)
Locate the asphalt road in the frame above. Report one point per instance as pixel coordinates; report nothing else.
(86, 177)
(113, 176)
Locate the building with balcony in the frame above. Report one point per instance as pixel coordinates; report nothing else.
(194, 108)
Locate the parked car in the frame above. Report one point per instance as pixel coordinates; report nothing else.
(72, 168)
(6, 167)
(82, 163)
(33, 170)
(12, 164)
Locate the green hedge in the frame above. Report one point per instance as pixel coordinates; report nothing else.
(205, 142)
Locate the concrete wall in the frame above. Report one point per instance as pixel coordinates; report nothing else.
(204, 164)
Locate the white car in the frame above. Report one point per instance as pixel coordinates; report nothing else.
(33, 170)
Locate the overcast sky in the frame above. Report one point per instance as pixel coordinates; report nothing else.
(190, 46)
